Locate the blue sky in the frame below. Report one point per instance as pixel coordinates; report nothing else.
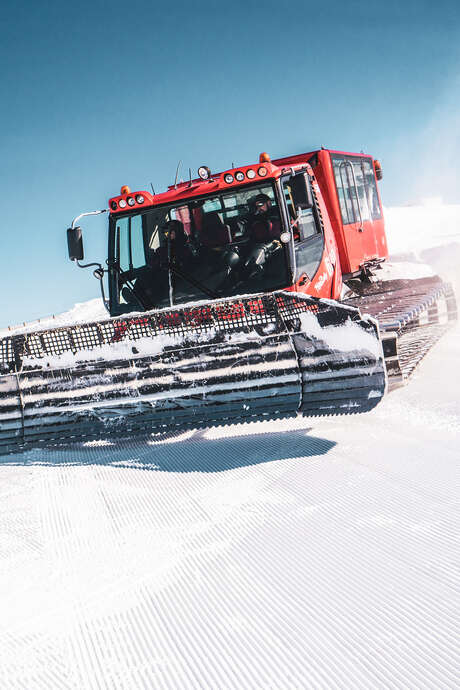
(96, 95)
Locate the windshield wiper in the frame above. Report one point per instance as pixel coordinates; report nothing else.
(195, 283)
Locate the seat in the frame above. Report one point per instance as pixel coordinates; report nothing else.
(214, 233)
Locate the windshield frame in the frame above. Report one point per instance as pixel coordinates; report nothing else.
(117, 308)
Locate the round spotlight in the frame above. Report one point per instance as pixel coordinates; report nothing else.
(204, 172)
(285, 237)
(113, 205)
(228, 178)
(239, 176)
(130, 201)
(122, 203)
(139, 198)
(262, 171)
(251, 173)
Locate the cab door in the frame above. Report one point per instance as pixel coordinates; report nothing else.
(359, 207)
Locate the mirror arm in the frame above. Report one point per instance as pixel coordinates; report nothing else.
(73, 227)
(88, 213)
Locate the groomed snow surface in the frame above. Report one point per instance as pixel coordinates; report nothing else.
(294, 554)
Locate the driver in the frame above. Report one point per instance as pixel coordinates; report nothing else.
(264, 232)
(264, 222)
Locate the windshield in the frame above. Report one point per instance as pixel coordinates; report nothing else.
(217, 246)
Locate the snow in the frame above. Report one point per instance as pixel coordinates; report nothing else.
(348, 337)
(392, 270)
(422, 226)
(82, 312)
(294, 554)
(128, 349)
(428, 233)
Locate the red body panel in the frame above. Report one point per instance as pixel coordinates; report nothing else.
(197, 187)
(357, 245)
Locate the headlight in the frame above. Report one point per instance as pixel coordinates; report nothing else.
(139, 198)
(285, 237)
(262, 171)
(204, 172)
(228, 178)
(251, 174)
(113, 205)
(122, 203)
(130, 201)
(239, 176)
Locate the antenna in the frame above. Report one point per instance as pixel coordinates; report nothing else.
(177, 173)
(190, 177)
(153, 191)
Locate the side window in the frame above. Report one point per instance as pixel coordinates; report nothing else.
(361, 189)
(151, 224)
(343, 175)
(308, 238)
(356, 188)
(304, 221)
(371, 188)
(130, 241)
(307, 224)
(289, 200)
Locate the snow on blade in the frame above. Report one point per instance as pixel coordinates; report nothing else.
(109, 352)
(344, 338)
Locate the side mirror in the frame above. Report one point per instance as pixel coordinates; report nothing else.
(75, 244)
(301, 191)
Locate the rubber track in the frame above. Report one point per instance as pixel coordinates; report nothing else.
(412, 315)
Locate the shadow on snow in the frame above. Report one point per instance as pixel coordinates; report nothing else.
(192, 452)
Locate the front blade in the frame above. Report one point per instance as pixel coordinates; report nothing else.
(221, 362)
